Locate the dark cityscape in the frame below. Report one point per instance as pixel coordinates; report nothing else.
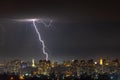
(102, 69)
(59, 40)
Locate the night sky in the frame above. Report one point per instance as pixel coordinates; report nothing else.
(80, 30)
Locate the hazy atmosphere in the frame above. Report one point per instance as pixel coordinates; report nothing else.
(78, 30)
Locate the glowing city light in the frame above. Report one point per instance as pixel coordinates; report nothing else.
(95, 63)
(33, 63)
(101, 61)
(11, 78)
(21, 77)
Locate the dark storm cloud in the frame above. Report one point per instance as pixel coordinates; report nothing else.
(85, 39)
(79, 29)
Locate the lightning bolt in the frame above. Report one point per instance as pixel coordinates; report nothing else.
(36, 29)
(40, 39)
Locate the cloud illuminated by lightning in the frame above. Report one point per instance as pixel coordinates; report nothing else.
(43, 21)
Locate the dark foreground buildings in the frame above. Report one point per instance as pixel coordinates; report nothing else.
(103, 69)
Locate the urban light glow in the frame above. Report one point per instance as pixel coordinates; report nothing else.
(101, 61)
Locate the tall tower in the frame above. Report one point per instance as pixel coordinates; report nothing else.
(101, 64)
(101, 61)
(33, 63)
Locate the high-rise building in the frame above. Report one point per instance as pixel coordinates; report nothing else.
(33, 63)
(44, 67)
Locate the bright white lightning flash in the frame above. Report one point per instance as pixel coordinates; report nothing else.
(40, 39)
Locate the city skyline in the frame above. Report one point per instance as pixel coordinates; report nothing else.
(71, 69)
